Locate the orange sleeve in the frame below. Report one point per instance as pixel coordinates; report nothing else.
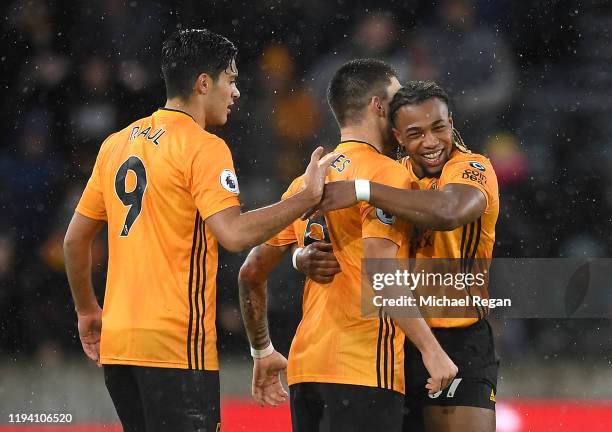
(212, 178)
(375, 222)
(288, 235)
(91, 203)
(284, 238)
(474, 170)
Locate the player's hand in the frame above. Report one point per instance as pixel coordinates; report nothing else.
(441, 370)
(90, 328)
(314, 176)
(336, 195)
(267, 387)
(317, 261)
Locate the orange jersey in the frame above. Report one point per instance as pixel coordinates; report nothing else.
(334, 343)
(472, 241)
(155, 183)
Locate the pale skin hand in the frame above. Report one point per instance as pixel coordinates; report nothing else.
(237, 231)
(267, 387)
(336, 195)
(90, 328)
(77, 254)
(440, 367)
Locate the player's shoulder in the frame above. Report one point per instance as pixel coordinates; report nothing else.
(187, 130)
(295, 186)
(470, 166)
(131, 130)
(116, 138)
(475, 160)
(377, 164)
(469, 163)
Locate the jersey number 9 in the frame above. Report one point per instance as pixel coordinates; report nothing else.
(132, 199)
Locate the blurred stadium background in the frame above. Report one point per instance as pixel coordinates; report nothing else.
(531, 84)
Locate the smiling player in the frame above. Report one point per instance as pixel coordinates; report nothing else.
(454, 206)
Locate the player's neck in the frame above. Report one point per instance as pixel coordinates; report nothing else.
(189, 108)
(362, 133)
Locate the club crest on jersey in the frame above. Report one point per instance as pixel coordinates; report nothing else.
(229, 181)
(386, 218)
(477, 165)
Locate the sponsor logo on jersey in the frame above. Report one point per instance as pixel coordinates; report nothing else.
(477, 165)
(229, 181)
(474, 175)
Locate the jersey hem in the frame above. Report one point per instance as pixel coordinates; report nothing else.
(231, 201)
(148, 363)
(89, 214)
(325, 379)
(281, 243)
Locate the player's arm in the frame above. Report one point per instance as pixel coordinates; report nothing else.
(267, 362)
(253, 285)
(442, 210)
(441, 368)
(77, 254)
(237, 231)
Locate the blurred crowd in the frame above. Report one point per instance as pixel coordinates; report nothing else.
(530, 85)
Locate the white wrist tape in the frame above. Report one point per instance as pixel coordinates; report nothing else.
(362, 190)
(294, 257)
(259, 354)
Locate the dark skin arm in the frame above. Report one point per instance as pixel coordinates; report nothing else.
(317, 261)
(441, 210)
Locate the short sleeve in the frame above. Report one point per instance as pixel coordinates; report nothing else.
(284, 238)
(91, 203)
(376, 223)
(474, 170)
(212, 178)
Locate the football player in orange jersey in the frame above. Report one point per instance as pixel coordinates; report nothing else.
(167, 191)
(454, 206)
(345, 369)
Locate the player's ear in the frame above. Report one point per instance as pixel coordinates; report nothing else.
(203, 84)
(450, 120)
(378, 106)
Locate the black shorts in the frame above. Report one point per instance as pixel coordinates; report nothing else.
(159, 399)
(473, 351)
(323, 407)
